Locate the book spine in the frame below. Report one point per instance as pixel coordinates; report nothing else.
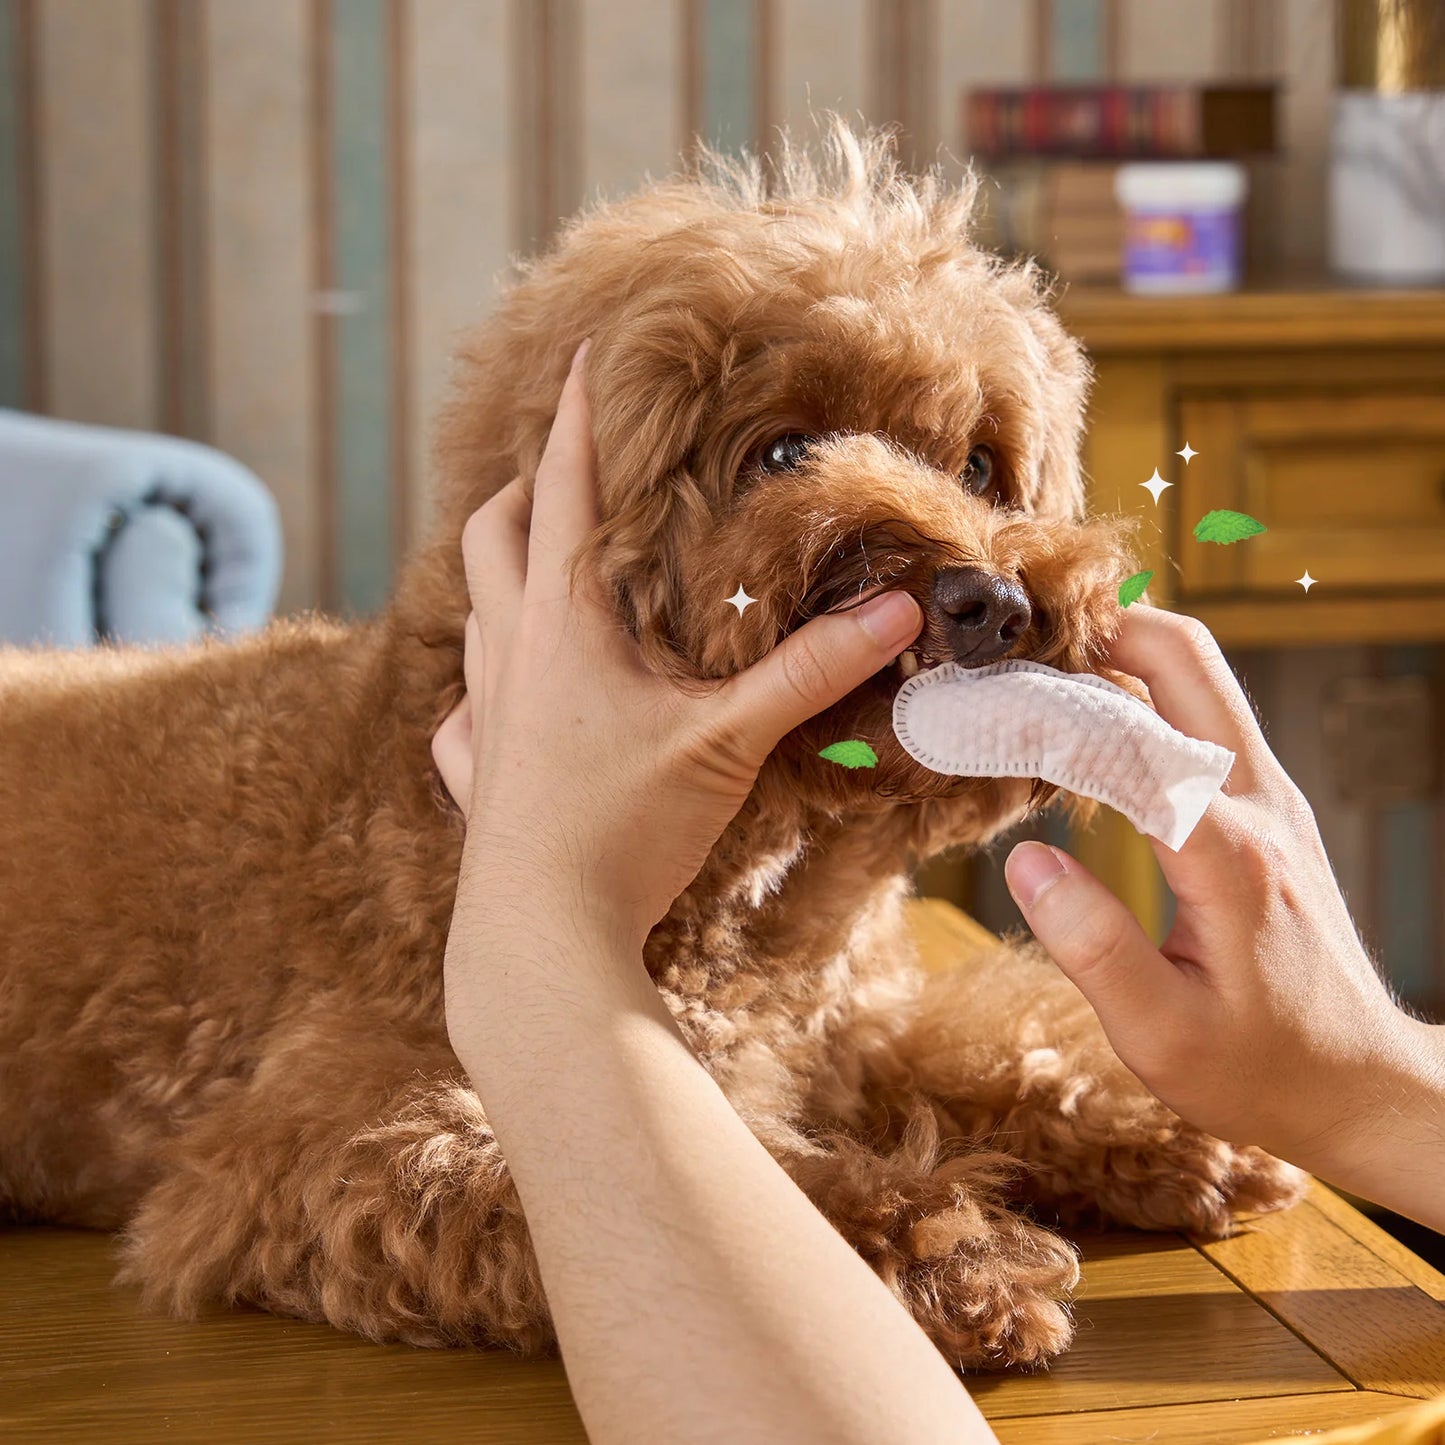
(1109, 122)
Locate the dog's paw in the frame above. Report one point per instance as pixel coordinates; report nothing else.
(1193, 1181)
(990, 1288)
(1171, 1176)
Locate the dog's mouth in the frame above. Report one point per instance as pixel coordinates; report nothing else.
(914, 660)
(922, 655)
(929, 649)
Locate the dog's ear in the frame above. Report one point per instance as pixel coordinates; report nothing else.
(1063, 396)
(1062, 494)
(637, 553)
(651, 381)
(651, 378)
(615, 273)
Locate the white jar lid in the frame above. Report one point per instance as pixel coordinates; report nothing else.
(1181, 185)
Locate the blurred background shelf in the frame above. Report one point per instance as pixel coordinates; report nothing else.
(1298, 313)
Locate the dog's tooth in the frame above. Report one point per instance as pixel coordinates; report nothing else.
(908, 663)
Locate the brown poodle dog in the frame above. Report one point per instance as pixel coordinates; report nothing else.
(226, 873)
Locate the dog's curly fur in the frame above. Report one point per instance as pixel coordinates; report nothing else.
(227, 872)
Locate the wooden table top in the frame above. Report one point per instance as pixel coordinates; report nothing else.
(1303, 1321)
(1300, 1322)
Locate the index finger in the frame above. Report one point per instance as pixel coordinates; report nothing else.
(564, 497)
(1195, 690)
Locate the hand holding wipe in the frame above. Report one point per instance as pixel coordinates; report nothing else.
(1261, 1009)
(1021, 719)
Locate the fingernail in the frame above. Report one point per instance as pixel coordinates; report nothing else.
(890, 619)
(580, 354)
(1029, 870)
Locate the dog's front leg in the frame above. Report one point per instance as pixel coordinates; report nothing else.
(1006, 1053)
(351, 1179)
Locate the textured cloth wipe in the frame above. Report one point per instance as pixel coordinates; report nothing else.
(1021, 719)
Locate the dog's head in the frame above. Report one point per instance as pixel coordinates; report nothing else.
(811, 389)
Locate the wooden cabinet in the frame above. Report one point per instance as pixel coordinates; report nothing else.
(1321, 414)
(1351, 487)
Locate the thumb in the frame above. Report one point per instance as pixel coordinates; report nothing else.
(1097, 943)
(817, 665)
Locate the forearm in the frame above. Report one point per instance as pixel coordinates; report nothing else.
(697, 1294)
(1385, 1139)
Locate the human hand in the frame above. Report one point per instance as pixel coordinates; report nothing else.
(1260, 1018)
(588, 782)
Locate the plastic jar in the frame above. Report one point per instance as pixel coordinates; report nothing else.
(1183, 221)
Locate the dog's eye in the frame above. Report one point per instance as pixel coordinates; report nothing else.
(977, 474)
(787, 453)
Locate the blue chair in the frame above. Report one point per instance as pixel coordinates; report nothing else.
(128, 537)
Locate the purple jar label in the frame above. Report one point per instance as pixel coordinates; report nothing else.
(1200, 244)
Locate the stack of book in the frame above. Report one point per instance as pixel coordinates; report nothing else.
(1121, 122)
(1054, 150)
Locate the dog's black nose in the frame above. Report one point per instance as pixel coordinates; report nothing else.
(981, 613)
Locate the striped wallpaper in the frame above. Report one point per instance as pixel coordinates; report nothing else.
(261, 222)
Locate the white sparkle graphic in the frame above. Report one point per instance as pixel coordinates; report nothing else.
(1188, 453)
(741, 600)
(1155, 485)
(1307, 581)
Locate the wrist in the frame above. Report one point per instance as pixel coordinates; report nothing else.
(526, 968)
(538, 950)
(1384, 1138)
(512, 884)
(539, 1024)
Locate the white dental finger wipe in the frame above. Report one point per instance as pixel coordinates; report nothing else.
(1021, 719)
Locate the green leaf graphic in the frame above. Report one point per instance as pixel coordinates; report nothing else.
(1227, 527)
(1132, 588)
(851, 754)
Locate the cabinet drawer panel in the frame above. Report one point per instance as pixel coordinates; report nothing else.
(1351, 487)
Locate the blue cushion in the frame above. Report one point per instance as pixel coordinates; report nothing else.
(109, 535)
